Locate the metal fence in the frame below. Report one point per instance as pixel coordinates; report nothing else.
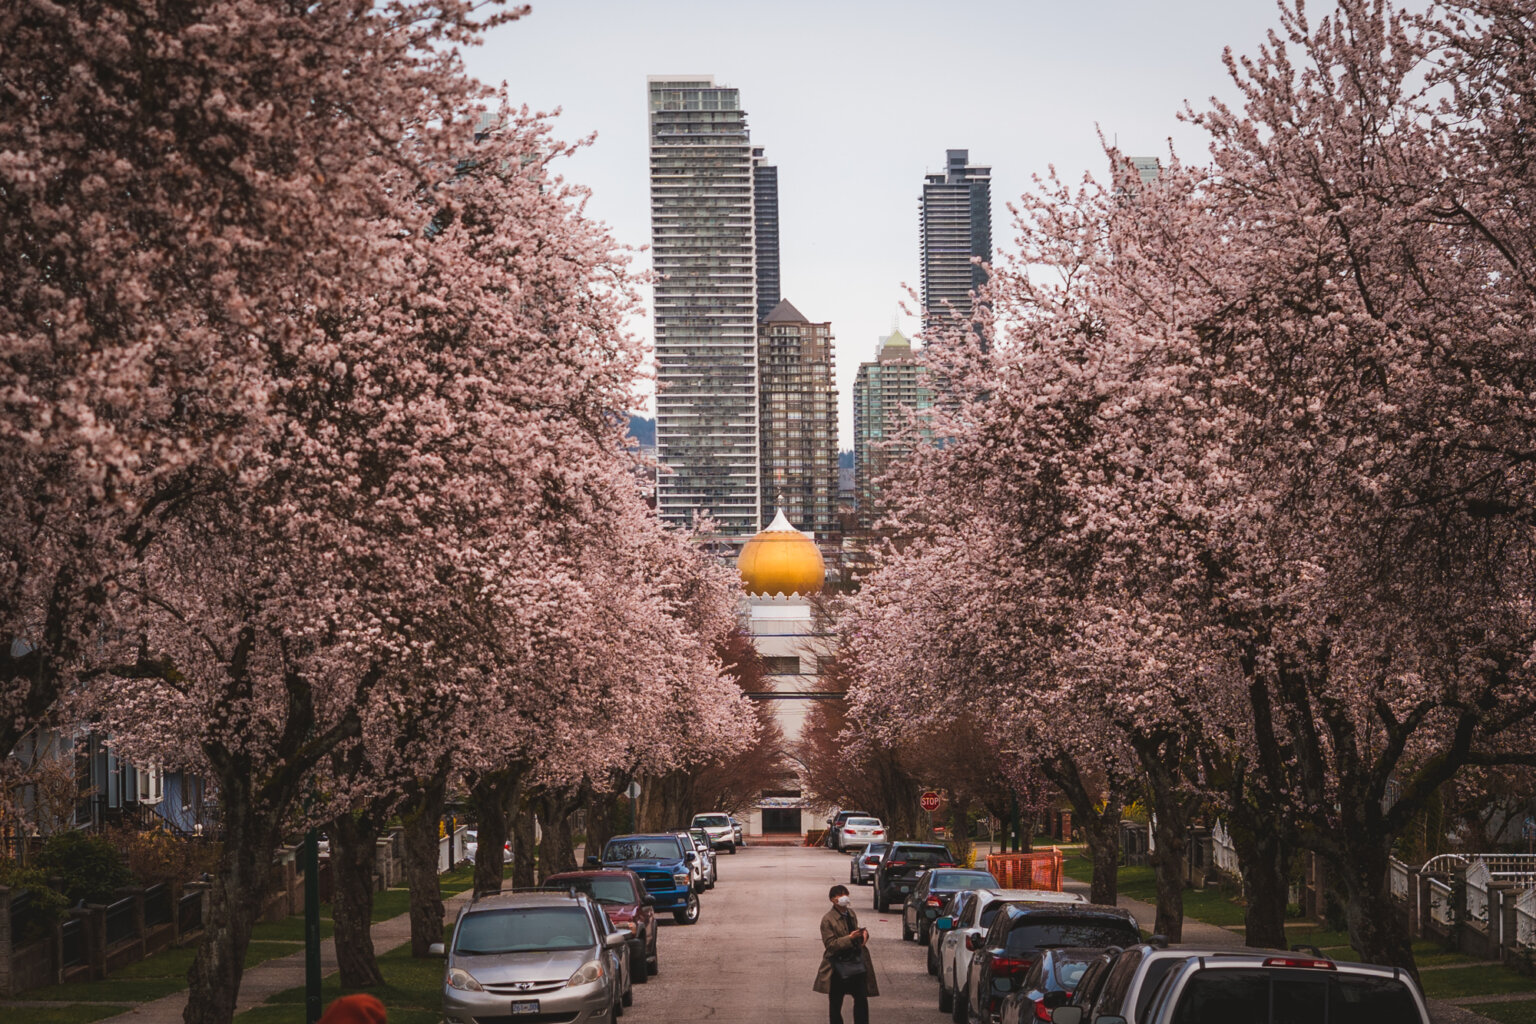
(119, 921)
(189, 912)
(157, 906)
(72, 943)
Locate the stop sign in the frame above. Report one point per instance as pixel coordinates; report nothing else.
(929, 801)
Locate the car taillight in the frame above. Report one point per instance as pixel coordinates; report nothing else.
(1043, 1012)
(897, 864)
(935, 901)
(1288, 961)
(946, 864)
(879, 832)
(1009, 965)
(848, 831)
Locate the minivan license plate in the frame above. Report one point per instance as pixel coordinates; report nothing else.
(521, 1006)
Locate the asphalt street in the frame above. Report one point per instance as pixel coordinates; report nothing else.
(752, 956)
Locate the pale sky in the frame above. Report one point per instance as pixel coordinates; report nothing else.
(855, 100)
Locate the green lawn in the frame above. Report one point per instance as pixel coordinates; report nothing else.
(1523, 1012)
(412, 991)
(1139, 883)
(1487, 980)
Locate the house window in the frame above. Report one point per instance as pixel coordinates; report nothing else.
(779, 666)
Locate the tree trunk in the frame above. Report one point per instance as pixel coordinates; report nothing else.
(960, 832)
(239, 887)
(1375, 928)
(556, 851)
(354, 840)
(421, 818)
(1266, 862)
(494, 795)
(1100, 824)
(601, 811)
(523, 844)
(1161, 760)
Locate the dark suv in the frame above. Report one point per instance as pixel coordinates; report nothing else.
(1000, 959)
(896, 874)
(932, 892)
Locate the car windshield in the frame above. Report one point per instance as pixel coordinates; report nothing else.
(1067, 973)
(874, 849)
(1302, 997)
(700, 837)
(960, 880)
(1038, 934)
(658, 848)
(605, 890)
(523, 929)
(712, 821)
(867, 822)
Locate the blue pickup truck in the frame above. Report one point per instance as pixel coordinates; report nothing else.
(663, 864)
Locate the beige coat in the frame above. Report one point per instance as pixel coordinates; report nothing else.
(836, 937)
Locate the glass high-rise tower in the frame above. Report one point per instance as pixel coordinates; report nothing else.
(955, 217)
(765, 218)
(704, 248)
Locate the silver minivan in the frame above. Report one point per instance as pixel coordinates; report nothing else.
(541, 955)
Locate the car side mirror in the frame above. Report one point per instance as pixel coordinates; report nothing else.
(690, 857)
(436, 949)
(1067, 1015)
(648, 900)
(944, 924)
(593, 861)
(615, 940)
(1106, 1019)
(974, 942)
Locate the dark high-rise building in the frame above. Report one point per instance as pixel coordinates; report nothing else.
(704, 250)
(798, 383)
(765, 218)
(956, 225)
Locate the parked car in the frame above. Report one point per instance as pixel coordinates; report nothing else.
(1132, 976)
(544, 955)
(722, 834)
(971, 913)
(1048, 984)
(622, 896)
(861, 863)
(896, 874)
(858, 832)
(1277, 988)
(835, 823)
(740, 832)
(933, 890)
(472, 846)
(709, 863)
(1011, 946)
(665, 863)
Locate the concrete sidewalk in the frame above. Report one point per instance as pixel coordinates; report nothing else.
(274, 976)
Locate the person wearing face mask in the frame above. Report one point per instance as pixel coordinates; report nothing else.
(846, 969)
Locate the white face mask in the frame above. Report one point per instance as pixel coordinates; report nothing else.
(842, 902)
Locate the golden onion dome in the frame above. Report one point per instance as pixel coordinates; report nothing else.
(781, 560)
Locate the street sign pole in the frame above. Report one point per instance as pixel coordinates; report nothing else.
(634, 795)
(312, 927)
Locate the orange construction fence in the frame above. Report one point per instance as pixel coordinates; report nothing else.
(1038, 870)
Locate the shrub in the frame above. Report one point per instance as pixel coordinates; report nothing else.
(89, 864)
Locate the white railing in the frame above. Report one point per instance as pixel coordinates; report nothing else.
(1510, 867)
(1525, 919)
(1223, 853)
(1478, 879)
(1400, 876)
(1441, 910)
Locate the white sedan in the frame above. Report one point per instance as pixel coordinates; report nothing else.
(860, 832)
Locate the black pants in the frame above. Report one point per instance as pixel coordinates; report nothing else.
(848, 987)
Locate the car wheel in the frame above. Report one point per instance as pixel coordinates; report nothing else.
(731, 850)
(933, 963)
(638, 975)
(629, 996)
(960, 1013)
(906, 933)
(689, 912)
(922, 935)
(946, 998)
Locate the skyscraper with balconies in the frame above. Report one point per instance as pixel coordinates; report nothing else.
(704, 249)
(955, 220)
(798, 381)
(884, 393)
(765, 218)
